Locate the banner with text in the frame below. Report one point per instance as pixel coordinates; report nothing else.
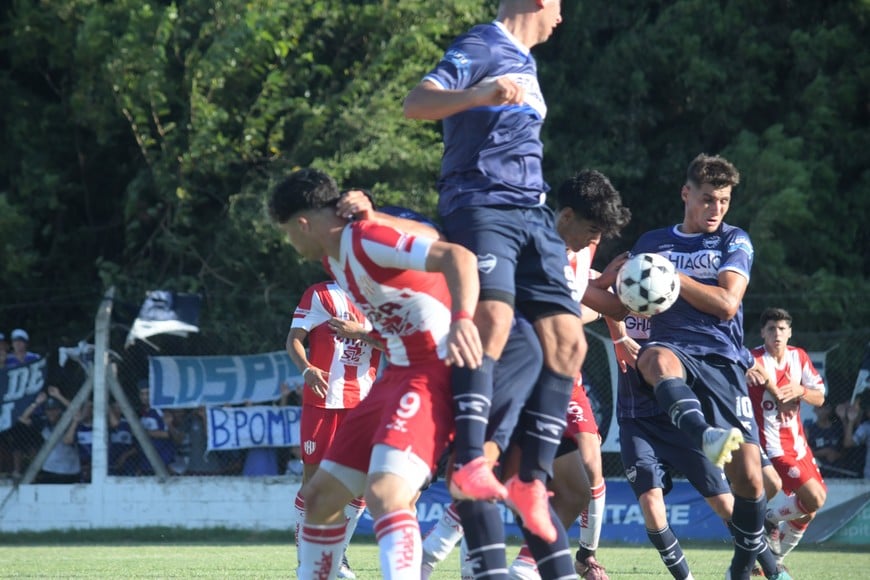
(246, 427)
(688, 514)
(18, 388)
(191, 381)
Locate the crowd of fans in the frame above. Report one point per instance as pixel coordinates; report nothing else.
(178, 435)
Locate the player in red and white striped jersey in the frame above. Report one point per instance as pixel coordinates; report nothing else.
(338, 373)
(418, 293)
(782, 377)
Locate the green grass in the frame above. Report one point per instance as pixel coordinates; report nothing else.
(164, 553)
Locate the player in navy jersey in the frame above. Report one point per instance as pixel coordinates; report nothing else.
(492, 200)
(651, 447)
(695, 359)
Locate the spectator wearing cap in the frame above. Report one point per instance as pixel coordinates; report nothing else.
(20, 356)
(62, 465)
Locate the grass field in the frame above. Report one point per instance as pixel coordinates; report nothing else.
(225, 554)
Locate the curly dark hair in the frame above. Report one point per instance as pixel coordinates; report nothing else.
(591, 195)
(712, 169)
(301, 190)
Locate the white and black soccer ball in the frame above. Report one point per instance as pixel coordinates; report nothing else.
(648, 284)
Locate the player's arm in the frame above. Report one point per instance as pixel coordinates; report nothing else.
(353, 330)
(430, 102)
(625, 347)
(459, 267)
(354, 204)
(722, 301)
(757, 377)
(598, 295)
(313, 377)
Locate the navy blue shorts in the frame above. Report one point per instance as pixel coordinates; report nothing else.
(651, 447)
(520, 257)
(514, 377)
(720, 385)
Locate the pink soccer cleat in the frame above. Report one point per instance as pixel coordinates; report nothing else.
(475, 480)
(531, 501)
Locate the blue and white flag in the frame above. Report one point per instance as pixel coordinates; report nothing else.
(166, 312)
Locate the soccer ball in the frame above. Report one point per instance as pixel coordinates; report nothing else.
(647, 284)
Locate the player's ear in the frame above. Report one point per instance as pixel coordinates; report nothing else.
(565, 215)
(684, 193)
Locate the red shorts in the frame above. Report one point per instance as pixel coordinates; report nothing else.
(317, 430)
(796, 472)
(408, 408)
(580, 417)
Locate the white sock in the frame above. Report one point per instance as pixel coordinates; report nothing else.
(592, 519)
(320, 549)
(791, 536)
(299, 510)
(401, 549)
(442, 537)
(353, 512)
(784, 508)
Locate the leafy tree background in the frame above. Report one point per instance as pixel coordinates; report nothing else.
(139, 140)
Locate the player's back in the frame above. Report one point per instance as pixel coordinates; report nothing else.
(492, 155)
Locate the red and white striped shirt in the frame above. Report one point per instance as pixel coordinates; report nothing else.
(783, 437)
(581, 268)
(382, 270)
(351, 364)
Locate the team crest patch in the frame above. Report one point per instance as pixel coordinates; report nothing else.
(486, 264)
(631, 474)
(794, 472)
(310, 446)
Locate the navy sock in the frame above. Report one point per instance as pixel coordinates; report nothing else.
(668, 545)
(765, 557)
(747, 527)
(472, 398)
(682, 405)
(542, 424)
(484, 535)
(553, 560)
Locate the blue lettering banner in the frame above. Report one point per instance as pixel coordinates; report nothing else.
(246, 427)
(192, 381)
(689, 515)
(18, 388)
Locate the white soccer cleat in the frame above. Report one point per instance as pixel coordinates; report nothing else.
(523, 569)
(718, 444)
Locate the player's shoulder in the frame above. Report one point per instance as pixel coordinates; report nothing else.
(758, 351)
(736, 238)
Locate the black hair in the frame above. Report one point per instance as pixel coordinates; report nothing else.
(591, 195)
(775, 314)
(302, 190)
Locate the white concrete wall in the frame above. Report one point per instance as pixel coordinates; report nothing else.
(249, 503)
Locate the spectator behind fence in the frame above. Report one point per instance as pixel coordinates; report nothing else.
(20, 356)
(62, 463)
(123, 458)
(81, 434)
(856, 426)
(20, 439)
(155, 425)
(201, 461)
(825, 436)
(6, 441)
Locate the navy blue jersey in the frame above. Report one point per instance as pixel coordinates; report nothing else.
(492, 155)
(702, 257)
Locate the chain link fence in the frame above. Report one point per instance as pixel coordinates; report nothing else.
(179, 435)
